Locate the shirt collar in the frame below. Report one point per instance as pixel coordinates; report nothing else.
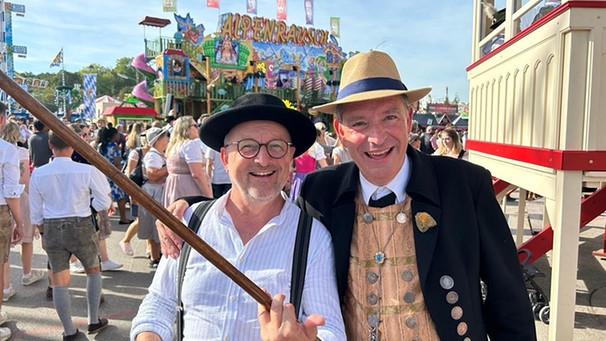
(397, 185)
(61, 158)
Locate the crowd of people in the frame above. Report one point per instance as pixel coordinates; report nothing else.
(378, 244)
(53, 169)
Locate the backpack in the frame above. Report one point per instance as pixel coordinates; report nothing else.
(299, 264)
(136, 175)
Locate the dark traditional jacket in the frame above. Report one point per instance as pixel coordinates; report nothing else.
(471, 241)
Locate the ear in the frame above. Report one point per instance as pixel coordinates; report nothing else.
(338, 128)
(224, 158)
(409, 118)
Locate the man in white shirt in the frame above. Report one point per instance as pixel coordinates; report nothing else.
(219, 179)
(254, 227)
(10, 207)
(61, 194)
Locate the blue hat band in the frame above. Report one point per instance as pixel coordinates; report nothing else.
(371, 84)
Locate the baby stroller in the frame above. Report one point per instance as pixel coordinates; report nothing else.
(538, 299)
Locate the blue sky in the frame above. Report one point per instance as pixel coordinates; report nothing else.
(429, 40)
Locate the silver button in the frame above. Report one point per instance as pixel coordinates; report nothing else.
(410, 322)
(446, 282)
(452, 297)
(401, 218)
(367, 218)
(372, 277)
(456, 313)
(409, 297)
(372, 298)
(407, 275)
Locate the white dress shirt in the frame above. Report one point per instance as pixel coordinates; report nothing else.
(64, 188)
(215, 307)
(397, 185)
(9, 176)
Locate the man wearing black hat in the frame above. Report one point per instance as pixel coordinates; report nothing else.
(254, 227)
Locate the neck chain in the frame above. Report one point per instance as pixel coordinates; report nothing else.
(401, 217)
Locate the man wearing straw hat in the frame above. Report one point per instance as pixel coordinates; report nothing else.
(254, 227)
(411, 245)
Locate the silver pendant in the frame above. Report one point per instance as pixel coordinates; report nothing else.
(380, 257)
(401, 218)
(367, 218)
(373, 320)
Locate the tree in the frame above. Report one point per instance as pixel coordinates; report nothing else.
(116, 82)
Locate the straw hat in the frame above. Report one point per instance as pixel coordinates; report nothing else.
(259, 107)
(371, 75)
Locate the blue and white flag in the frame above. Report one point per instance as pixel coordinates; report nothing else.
(89, 95)
(58, 59)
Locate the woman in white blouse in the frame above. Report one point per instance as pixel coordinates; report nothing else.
(185, 162)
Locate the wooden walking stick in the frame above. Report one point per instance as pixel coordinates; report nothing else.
(54, 124)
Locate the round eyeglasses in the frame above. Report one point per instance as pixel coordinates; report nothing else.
(249, 148)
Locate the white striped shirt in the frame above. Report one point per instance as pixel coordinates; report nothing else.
(215, 307)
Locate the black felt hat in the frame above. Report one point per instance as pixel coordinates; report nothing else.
(259, 107)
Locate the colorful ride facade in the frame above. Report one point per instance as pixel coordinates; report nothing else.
(200, 73)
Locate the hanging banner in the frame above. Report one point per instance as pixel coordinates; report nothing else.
(335, 26)
(281, 6)
(309, 12)
(89, 95)
(212, 3)
(251, 6)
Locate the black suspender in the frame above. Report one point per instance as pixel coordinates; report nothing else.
(299, 265)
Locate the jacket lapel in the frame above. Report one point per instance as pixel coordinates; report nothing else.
(423, 189)
(343, 219)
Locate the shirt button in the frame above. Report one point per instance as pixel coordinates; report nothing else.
(226, 338)
(232, 298)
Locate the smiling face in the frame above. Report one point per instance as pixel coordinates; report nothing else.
(262, 177)
(375, 132)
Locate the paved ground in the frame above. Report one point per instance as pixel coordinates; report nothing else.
(590, 316)
(34, 318)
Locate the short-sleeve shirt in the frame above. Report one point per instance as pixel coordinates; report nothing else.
(219, 175)
(192, 152)
(154, 159)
